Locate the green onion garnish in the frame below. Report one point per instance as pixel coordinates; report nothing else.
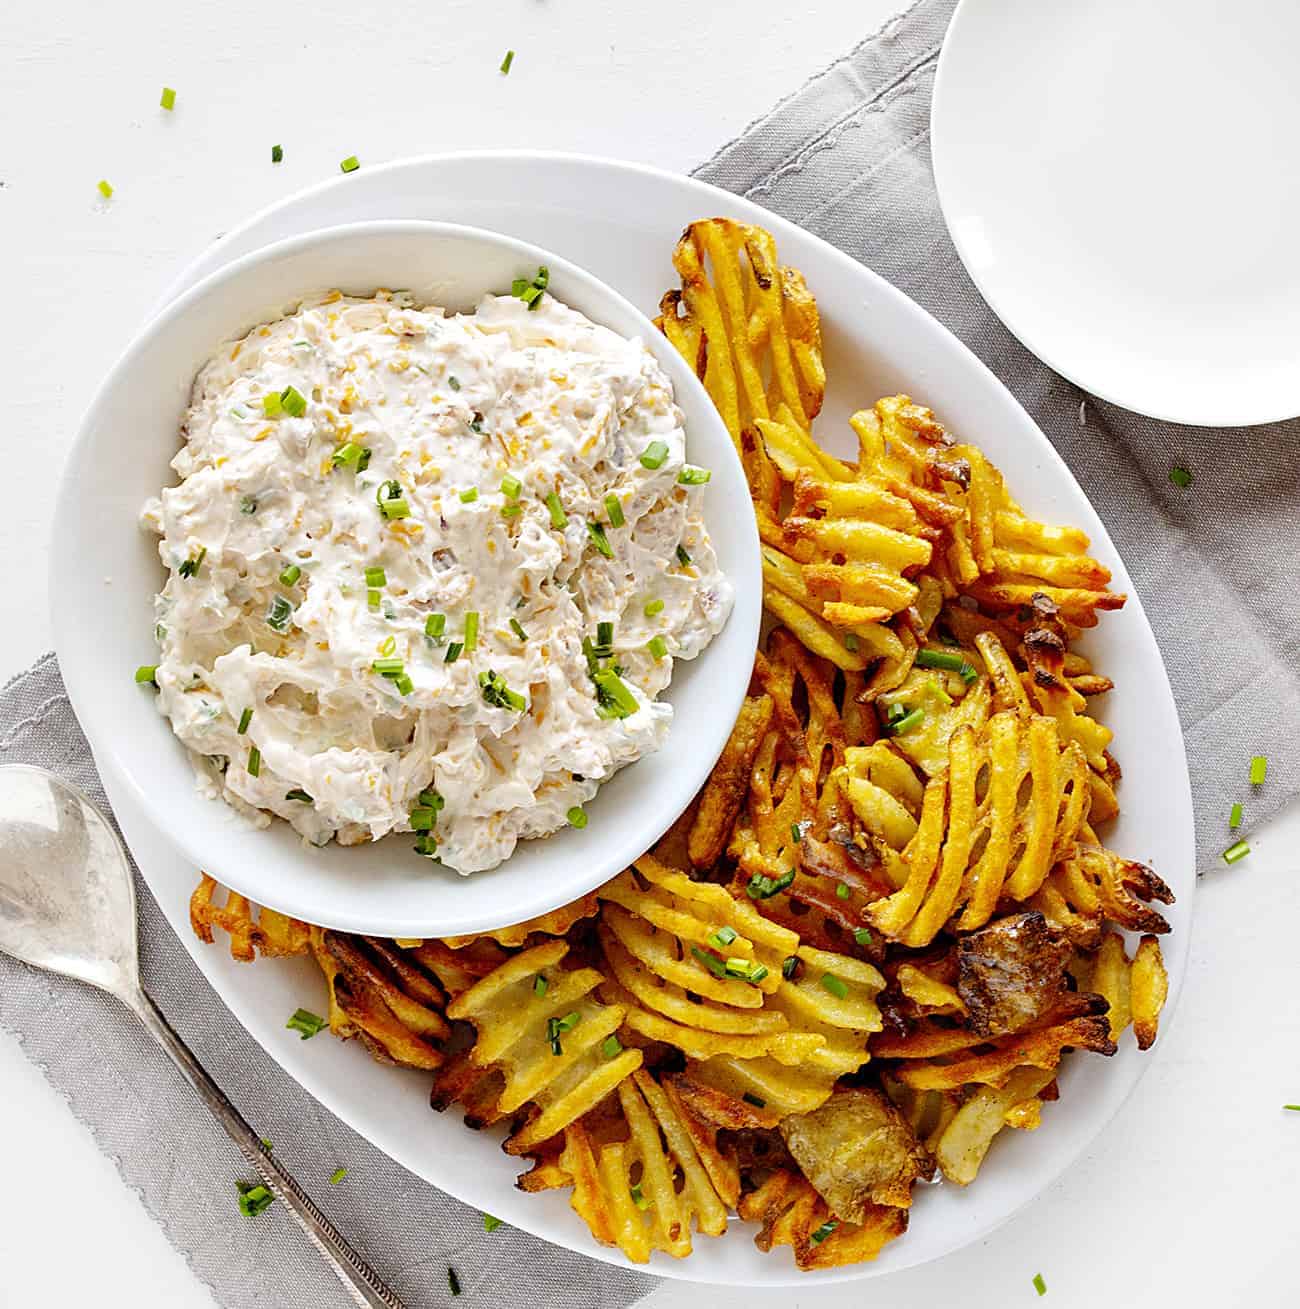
(577, 817)
(1295, 1108)
(657, 646)
(403, 684)
(823, 1231)
(1039, 1285)
(1234, 816)
(539, 985)
(511, 510)
(390, 500)
(298, 794)
(905, 722)
(835, 986)
(490, 1224)
(851, 642)
(511, 486)
(518, 630)
(507, 61)
(789, 967)
(247, 504)
(453, 652)
(168, 100)
(434, 626)
(710, 961)
(945, 659)
(373, 598)
(654, 454)
(653, 607)
(559, 519)
(350, 455)
(294, 402)
(254, 764)
(498, 694)
(531, 292)
(306, 1023)
(761, 887)
(614, 510)
(692, 476)
(244, 719)
(611, 1046)
(1258, 769)
(605, 634)
(471, 630)
(862, 936)
(468, 497)
(375, 576)
(756, 1100)
(1239, 850)
(638, 1198)
(279, 614)
(796, 832)
(253, 1199)
(682, 557)
(1180, 477)
(337, 1176)
(190, 567)
(842, 891)
(598, 538)
(350, 164)
(290, 575)
(432, 799)
(615, 698)
(147, 675)
(104, 189)
(277, 154)
(453, 381)
(426, 845)
(422, 818)
(388, 667)
(267, 1144)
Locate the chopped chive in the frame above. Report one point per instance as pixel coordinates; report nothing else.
(614, 696)
(453, 652)
(1258, 769)
(598, 538)
(375, 576)
(453, 1282)
(723, 936)
(1181, 477)
(422, 818)
(657, 646)
(277, 154)
(426, 845)
(290, 575)
(946, 659)
(710, 961)
(861, 936)
(789, 966)
(253, 1199)
(577, 817)
(403, 684)
(1236, 851)
(396, 507)
(756, 1100)
(147, 675)
(373, 598)
(682, 557)
(653, 607)
(498, 694)
(350, 164)
(835, 986)
(507, 61)
(605, 634)
(471, 630)
(294, 402)
(244, 719)
(305, 1023)
(824, 1231)
(761, 887)
(559, 519)
(530, 292)
(104, 189)
(638, 1197)
(435, 625)
(254, 761)
(796, 832)
(511, 486)
(851, 642)
(490, 1224)
(511, 510)
(1234, 816)
(1039, 1285)
(298, 794)
(453, 381)
(842, 891)
(968, 673)
(337, 1176)
(654, 455)
(1294, 1108)
(692, 476)
(388, 667)
(611, 1046)
(351, 455)
(247, 504)
(906, 721)
(266, 1144)
(279, 615)
(168, 99)
(468, 497)
(539, 985)
(190, 567)
(756, 974)
(614, 511)
(518, 630)
(737, 967)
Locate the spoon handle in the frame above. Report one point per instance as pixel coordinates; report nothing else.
(364, 1284)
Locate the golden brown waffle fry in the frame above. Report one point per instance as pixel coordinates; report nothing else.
(541, 1026)
(792, 1213)
(270, 933)
(556, 923)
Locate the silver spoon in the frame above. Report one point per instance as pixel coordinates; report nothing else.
(67, 904)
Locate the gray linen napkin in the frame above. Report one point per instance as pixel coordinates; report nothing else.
(184, 1168)
(846, 157)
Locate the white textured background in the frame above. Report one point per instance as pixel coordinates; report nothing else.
(1190, 1199)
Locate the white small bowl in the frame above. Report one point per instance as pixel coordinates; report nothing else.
(105, 572)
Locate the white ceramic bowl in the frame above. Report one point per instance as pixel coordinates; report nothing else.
(105, 571)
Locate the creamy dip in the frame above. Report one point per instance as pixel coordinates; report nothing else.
(428, 573)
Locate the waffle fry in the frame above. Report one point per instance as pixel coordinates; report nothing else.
(556, 923)
(522, 1011)
(724, 792)
(271, 934)
(960, 1148)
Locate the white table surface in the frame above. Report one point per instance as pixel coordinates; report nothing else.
(1189, 1198)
